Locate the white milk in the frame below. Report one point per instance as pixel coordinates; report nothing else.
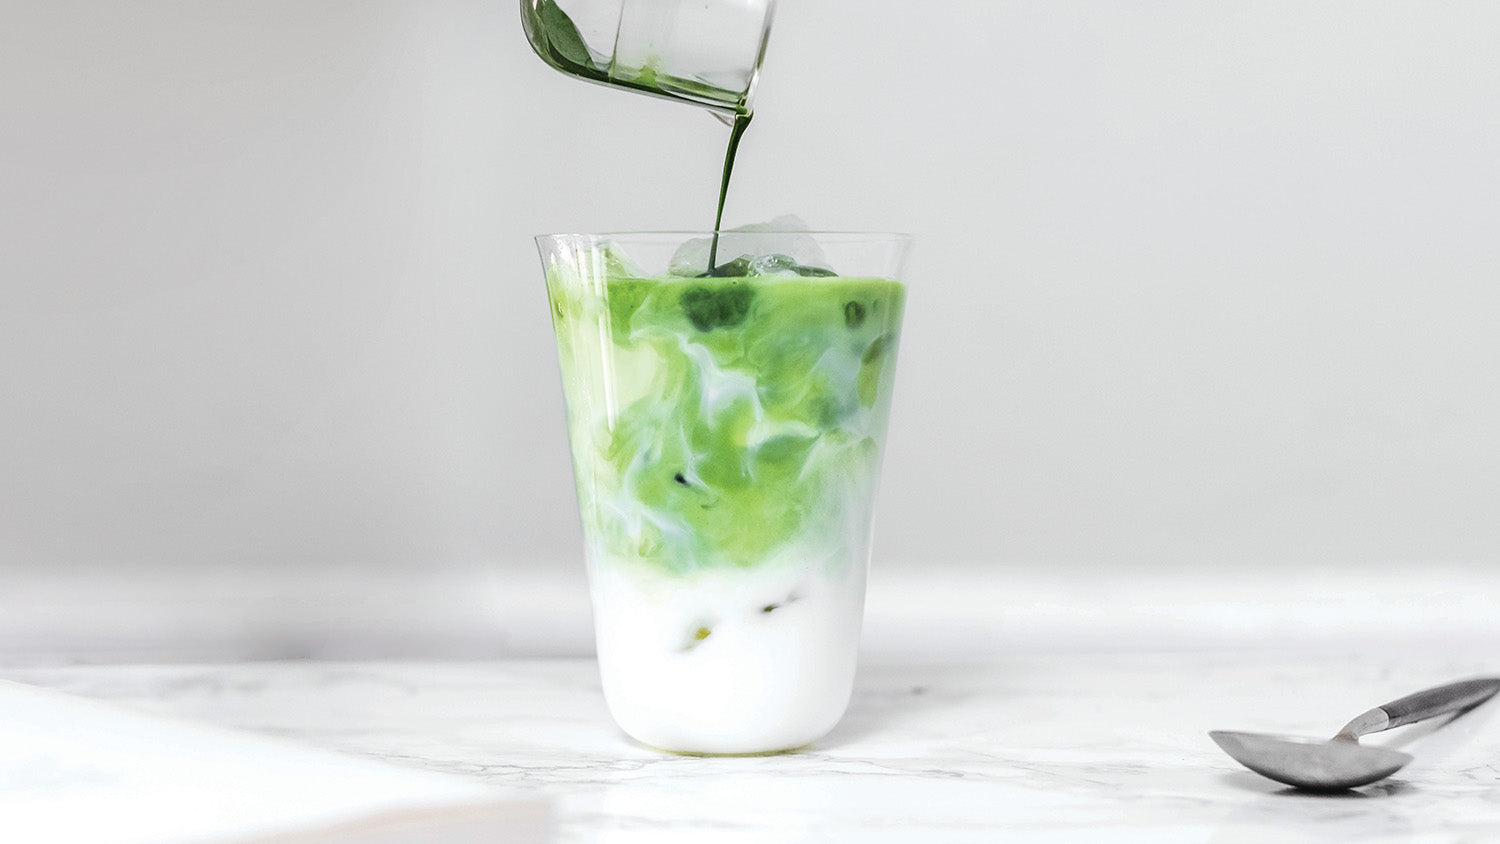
(728, 661)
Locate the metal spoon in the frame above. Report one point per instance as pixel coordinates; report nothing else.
(1342, 762)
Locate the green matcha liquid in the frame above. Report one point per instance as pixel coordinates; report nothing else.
(725, 422)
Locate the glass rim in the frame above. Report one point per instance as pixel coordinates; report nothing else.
(864, 235)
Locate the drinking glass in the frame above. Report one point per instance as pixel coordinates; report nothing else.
(726, 433)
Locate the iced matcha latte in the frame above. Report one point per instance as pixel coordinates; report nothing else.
(726, 431)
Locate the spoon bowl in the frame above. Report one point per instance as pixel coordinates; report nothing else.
(1310, 763)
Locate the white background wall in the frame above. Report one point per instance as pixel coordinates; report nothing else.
(1199, 288)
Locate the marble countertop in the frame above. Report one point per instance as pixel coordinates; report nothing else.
(1036, 747)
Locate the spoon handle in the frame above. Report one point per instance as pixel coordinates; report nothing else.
(1419, 706)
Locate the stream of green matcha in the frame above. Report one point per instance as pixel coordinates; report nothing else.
(737, 131)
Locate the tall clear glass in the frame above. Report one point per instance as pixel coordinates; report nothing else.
(726, 434)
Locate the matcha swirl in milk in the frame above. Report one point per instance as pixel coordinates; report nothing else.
(726, 419)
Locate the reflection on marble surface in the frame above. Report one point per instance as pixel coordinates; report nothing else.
(1061, 747)
(79, 771)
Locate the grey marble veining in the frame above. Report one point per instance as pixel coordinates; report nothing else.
(1059, 747)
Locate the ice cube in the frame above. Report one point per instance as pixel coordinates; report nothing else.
(782, 238)
(691, 258)
(775, 264)
(772, 248)
(610, 261)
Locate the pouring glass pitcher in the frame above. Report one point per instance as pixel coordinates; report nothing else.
(706, 52)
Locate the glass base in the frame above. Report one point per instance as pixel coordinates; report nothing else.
(801, 748)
